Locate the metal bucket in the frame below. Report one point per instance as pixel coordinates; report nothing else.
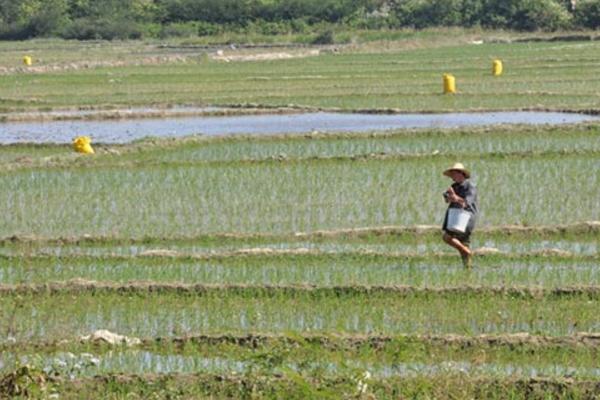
(458, 219)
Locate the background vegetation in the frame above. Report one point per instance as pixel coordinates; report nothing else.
(129, 19)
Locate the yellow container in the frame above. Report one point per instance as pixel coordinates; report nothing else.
(449, 84)
(497, 68)
(82, 144)
(27, 61)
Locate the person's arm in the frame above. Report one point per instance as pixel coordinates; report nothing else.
(454, 198)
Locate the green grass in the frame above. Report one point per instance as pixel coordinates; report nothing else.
(398, 363)
(27, 154)
(299, 386)
(557, 75)
(34, 317)
(387, 356)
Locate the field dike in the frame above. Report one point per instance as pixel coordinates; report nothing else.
(164, 112)
(375, 341)
(586, 227)
(330, 342)
(80, 286)
(105, 112)
(267, 252)
(101, 113)
(83, 65)
(66, 161)
(267, 56)
(219, 55)
(290, 384)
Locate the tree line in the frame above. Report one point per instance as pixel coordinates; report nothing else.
(129, 19)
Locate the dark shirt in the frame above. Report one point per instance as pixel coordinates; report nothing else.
(467, 191)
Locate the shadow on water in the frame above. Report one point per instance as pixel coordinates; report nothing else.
(127, 130)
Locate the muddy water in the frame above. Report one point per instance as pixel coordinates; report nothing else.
(127, 130)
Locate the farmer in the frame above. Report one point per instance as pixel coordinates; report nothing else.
(461, 194)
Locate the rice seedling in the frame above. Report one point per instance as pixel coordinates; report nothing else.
(240, 311)
(141, 362)
(292, 384)
(164, 201)
(316, 269)
(496, 141)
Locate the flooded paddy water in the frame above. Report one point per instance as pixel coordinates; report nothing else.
(136, 361)
(327, 311)
(324, 270)
(124, 130)
(584, 246)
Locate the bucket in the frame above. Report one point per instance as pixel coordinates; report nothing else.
(458, 220)
(27, 61)
(449, 84)
(497, 68)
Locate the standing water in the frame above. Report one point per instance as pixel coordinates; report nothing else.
(127, 130)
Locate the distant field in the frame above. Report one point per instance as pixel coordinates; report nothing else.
(551, 75)
(306, 266)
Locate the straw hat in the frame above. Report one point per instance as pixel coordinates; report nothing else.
(458, 167)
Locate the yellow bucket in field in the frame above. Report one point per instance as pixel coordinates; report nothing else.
(82, 144)
(27, 61)
(497, 68)
(449, 84)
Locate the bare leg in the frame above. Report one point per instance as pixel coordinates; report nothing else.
(454, 242)
(464, 251)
